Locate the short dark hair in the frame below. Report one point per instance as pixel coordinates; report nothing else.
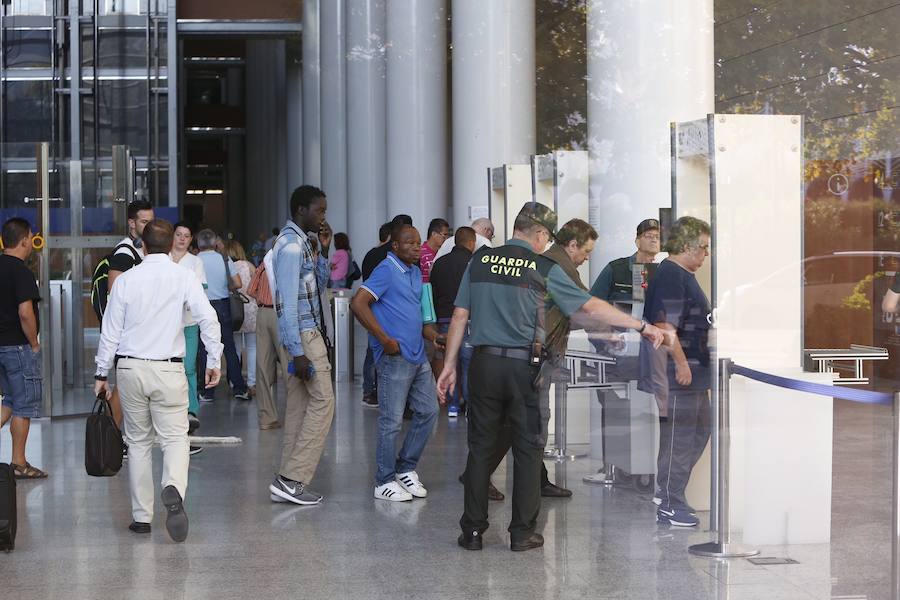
(685, 234)
(437, 224)
(158, 236)
(578, 230)
(304, 196)
(463, 236)
(184, 224)
(402, 219)
(342, 241)
(14, 231)
(397, 231)
(137, 206)
(384, 232)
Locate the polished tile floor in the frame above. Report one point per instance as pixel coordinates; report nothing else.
(602, 543)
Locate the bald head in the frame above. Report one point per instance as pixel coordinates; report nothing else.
(484, 227)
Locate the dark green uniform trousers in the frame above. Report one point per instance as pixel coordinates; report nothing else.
(501, 394)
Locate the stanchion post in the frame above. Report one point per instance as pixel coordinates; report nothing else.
(723, 548)
(895, 507)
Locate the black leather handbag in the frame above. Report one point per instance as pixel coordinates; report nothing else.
(102, 441)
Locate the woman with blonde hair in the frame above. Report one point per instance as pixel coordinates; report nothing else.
(245, 337)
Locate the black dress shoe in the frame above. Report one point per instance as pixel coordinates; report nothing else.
(552, 490)
(176, 519)
(470, 540)
(139, 527)
(535, 540)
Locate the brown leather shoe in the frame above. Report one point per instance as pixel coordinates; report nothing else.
(495, 494)
(535, 540)
(272, 425)
(551, 490)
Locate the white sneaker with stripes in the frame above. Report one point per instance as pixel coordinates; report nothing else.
(393, 492)
(409, 481)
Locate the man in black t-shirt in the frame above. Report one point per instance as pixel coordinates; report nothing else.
(20, 351)
(675, 302)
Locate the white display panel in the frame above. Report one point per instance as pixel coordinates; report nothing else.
(510, 190)
(748, 185)
(561, 182)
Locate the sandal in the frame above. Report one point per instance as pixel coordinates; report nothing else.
(27, 471)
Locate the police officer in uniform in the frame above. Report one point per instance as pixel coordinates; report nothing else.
(614, 284)
(503, 292)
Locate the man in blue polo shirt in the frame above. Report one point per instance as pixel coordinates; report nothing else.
(389, 306)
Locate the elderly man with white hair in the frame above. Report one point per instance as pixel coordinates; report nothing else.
(484, 234)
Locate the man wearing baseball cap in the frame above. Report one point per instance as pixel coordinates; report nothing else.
(505, 292)
(614, 282)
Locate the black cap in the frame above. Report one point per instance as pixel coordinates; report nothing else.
(541, 215)
(647, 225)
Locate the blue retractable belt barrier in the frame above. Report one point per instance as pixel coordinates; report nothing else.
(833, 391)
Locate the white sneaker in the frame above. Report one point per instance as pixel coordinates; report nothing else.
(409, 481)
(393, 492)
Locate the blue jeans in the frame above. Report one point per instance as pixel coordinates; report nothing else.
(369, 375)
(399, 381)
(238, 385)
(461, 391)
(20, 380)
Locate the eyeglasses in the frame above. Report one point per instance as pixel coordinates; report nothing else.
(705, 248)
(651, 236)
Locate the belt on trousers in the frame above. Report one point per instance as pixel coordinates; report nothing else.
(517, 353)
(265, 305)
(174, 359)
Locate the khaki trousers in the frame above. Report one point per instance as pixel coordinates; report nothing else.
(269, 351)
(308, 413)
(154, 398)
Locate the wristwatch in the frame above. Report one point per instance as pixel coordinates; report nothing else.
(100, 378)
(643, 326)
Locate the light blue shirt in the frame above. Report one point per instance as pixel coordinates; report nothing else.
(216, 279)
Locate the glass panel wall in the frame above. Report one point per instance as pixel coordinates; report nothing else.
(119, 97)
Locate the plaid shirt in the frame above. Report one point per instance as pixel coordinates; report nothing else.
(299, 274)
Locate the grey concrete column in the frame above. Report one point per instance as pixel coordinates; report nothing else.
(493, 94)
(333, 108)
(312, 144)
(266, 204)
(366, 122)
(632, 100)
(294, 107)
(417, 109)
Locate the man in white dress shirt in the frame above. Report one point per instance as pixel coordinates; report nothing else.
(484, 234)
(143, 336)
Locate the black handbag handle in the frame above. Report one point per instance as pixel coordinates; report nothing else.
(104, 408)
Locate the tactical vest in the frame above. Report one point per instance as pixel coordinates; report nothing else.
(622, 287)
(508, 291)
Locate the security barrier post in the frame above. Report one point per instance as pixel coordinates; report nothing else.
(723, 548)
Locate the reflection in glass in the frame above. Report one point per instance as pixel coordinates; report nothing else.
(23, 48)
(27, 116)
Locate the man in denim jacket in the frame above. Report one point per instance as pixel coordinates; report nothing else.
(300, 272)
